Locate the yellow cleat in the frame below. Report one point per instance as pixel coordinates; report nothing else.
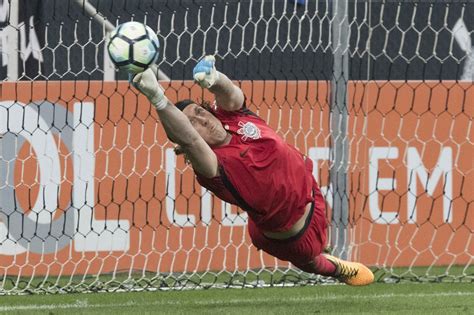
(351, 273)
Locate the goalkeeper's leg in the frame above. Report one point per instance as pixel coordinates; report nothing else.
(351, 273)
(305, 252)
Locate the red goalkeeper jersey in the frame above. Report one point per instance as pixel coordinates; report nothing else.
(260, 172)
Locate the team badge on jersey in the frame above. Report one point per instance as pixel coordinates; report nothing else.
(248, 130)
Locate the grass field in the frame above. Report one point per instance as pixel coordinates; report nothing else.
(404, 298)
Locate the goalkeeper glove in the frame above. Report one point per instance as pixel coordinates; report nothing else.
(205, 72)
(147, 83)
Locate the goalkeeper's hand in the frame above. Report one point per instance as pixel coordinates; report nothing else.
(147, 83)
(205, 72)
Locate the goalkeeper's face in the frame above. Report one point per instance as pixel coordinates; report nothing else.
(206, 124)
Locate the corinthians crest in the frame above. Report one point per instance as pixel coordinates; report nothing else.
(248, 130)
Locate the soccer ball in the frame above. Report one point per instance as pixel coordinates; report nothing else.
(133, 47)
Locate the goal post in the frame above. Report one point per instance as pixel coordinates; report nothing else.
(378, 95)
(339, 123)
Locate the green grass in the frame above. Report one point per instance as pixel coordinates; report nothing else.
(405, 298)
(150, 281)
(453, 295)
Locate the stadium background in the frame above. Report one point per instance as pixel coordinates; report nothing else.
(289, 85)
(246, 62)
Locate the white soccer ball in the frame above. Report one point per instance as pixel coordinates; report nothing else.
(133, 47)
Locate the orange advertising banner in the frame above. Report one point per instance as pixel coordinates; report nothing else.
(412, 162)
(91, 184)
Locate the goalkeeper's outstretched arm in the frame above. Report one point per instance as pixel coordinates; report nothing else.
(177, 126)
(228, 95)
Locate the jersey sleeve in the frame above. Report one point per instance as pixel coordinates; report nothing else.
(217, 186)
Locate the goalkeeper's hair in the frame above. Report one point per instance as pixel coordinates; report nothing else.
(184, 103)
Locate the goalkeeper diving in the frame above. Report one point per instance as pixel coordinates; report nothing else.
(243, 161)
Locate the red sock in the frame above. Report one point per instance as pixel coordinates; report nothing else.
(321, 266)
(324, 266)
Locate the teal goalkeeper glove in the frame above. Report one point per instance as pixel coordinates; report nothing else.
(147, 83)
(205, 73)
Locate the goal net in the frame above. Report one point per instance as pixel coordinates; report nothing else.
(378, 94)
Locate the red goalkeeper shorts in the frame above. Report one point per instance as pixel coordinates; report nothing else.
(302, 248)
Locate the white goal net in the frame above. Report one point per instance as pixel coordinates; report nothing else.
(379, 94)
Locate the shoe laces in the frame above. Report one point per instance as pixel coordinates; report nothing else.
(346, 271)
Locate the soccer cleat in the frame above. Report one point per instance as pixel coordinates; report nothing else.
(351, 273)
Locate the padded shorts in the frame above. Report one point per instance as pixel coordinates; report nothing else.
(302, 248)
